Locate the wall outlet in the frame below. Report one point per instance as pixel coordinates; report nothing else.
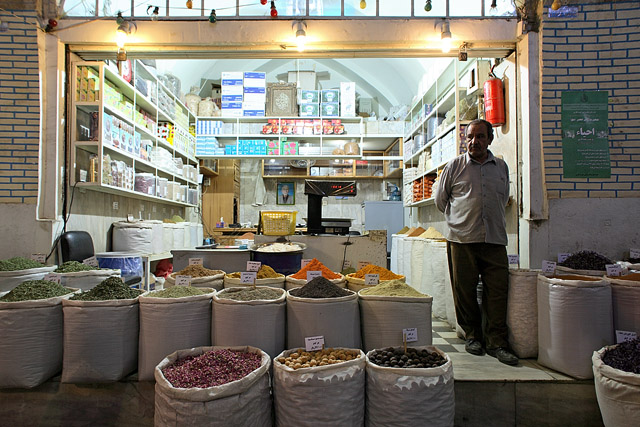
(115, 206)
(206, 182)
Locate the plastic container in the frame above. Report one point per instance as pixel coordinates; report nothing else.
(282, 262)
(129, 264)
(278, 223)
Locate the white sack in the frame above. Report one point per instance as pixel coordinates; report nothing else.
(384, 317)
(100, 340)
(171, 324)
(564, 271)
(11, 279)
(417, 261)
(215, 282)
(132, 237)
(400, 254)
(167, 237)
(574, 320)
(86, 280)
(407, 258)
(618, 393)
(331, 395)
(157, 236)
(625, 297)
(336, 319)
(394, 252)
(259, 323)
(437, 282)
(199, 234)
(246, 402)
(522, 312)
(410, 396)
(30, 341)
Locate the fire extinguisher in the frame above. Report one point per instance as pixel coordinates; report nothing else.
(494, 100)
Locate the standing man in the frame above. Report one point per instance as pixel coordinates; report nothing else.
(472, 192)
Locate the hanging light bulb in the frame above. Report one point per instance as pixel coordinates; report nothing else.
(427, 6)
(274, 11)
(121, 35)
(155, 13)
(445, 37)
(119, 19)
(556, 5)
(363, 4)
(189, 4)
(263, 2)
(493, 11)
(301, 35)
(212, 16)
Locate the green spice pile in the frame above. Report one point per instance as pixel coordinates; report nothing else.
(74, 267)
(213, 368)
(179, 292)
(109, 289)
(34, 290)
(319, 287)
(393, 288)
(250, 294)
(19, 263)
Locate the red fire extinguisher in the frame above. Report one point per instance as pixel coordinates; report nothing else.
(494, 100)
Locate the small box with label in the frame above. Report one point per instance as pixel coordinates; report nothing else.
(330, 95)
(330, 109)
(255, 79)
(309, 97)
(289, 148)
(309, 110)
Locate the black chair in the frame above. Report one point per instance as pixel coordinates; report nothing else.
(75, 246)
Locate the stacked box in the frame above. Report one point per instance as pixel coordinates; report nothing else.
(209, 127)
(254, 93)
(166, 131)
(330, 109)
(309, 97)
(309, 110)
(273, 147)
(348, 99)
(87, 84)
(252, 147)
(448, 149)
(232, 89)
(206, 145)
(289, 148)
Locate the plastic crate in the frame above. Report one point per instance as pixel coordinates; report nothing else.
(278, 223)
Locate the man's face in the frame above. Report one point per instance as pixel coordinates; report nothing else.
(478, 141)
(285, 190)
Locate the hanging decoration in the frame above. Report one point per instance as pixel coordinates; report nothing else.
(212, 16)
(263, 2)
(363, 4)
(155, 13)
(556, 5)
(274, 11)
(427, 6)
(51, 25)
(189, 4)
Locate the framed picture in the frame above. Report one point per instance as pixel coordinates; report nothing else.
(286, 193)
(281, 99)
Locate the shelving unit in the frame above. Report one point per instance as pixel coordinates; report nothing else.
(116, 121)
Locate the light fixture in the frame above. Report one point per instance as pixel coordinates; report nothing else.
(427, 6)
(189, 4)
(4, 26)
(274, 11)
(301, 34)
(462, 52)
(445, 37)
(493, 10)
(212, 16)
(122, 54)
(122, 32)
(363, 4)
(155, 13)
(556, 5)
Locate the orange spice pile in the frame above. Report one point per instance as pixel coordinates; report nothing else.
(315, 265)
(382, 272)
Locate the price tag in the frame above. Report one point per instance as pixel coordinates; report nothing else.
(371, 279)
(304, 263)
(195, 261)
(91, 261)
(634, 253)
(130, 218)
(410, 334)
(313, 343)
(313, 274)
(514, 259)
(614, 270)
(622, 336)
(562, 256)
(39, 258)
(363, 264)
(346, 264)
(248, 277)
(253, 265)
(183, 280)
(548, 267)
(52, 277)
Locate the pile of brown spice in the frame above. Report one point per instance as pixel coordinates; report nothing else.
(382, 272)
(198, 270)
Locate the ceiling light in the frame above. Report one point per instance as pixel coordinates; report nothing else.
(155, 13)
(301, 34)
(122, 55)
(445, 37)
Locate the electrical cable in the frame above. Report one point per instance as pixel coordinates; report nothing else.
(65, 220)
(344, 255)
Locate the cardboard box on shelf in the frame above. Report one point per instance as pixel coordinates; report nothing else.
(330, 109)
(347, 99)
(309, 110)
(330, 95)
(309, 97)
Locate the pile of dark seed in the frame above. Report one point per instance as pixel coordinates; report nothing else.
(586, 260)
(396, 358)
(319, 287)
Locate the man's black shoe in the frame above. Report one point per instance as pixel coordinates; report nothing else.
(474, 347)
(503, 355)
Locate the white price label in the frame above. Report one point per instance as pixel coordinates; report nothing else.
(52, 277)
(183, 280)
(130, 218)
(548, 267)
(253, 265)
(313, 274)
(195, 261)
(91, 261)
(514, 259)
(363, 264)
(314, 343)
(634, 253)
(346, 264)
(410, 334)
(371, 279)
(39, 258)
(562, 256)
(304, 263)
(622, 336)
(614, 270)
(248, 277)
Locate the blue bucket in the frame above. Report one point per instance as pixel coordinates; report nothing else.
(130, 264)
(282, 262)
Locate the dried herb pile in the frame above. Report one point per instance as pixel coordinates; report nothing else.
(74, 267)
(19, 263)
(250, 294)
(179, 292)
(35, 290)
(109, 289)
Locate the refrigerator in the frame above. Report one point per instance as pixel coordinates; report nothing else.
(384, 215)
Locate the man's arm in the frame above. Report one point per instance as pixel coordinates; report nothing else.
(442, 189)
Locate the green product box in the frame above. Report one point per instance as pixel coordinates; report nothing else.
(309, 110)
(310, 97)
(330, 95)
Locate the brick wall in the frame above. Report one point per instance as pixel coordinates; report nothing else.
(19, 108)
(596, 50)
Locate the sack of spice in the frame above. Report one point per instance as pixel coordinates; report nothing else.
(172, 319)
(266, 276)
(390, 307)
(332, 394)
(356, 281)
(398, 395)
(625, 297)
(300, 278)
(250, 316)
(16, 270)
(522, 312)
(201, 277)
(213, 386)
(110, 353)
(322, 308)
(31, 330)
(74, 274)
